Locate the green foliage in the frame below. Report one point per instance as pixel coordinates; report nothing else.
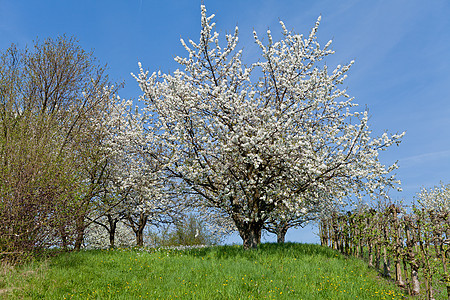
(51, 99)
(289, 271)
(410, 248)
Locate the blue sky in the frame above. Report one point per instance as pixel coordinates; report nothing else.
(401, 50)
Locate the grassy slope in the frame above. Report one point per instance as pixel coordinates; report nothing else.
(290, 271)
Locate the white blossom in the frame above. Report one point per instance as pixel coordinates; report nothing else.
(436, 198)
(280, 132)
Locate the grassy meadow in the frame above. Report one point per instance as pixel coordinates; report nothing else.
(289, 271)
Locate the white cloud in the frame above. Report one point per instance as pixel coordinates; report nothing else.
(423, 158)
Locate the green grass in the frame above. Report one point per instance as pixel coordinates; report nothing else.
(290, 271)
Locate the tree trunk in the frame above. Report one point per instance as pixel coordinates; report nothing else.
(386, 264)
(405, 269)
(111, 239)
(323, 233)
(410, 245)
(138, 228)
(370, 251)
(140, 238)
(398, 245)
(64, 238)
(250, 233)
(112, 230)
(377, 255)
(334, 235)
(398, 274)
(281, 232)
(80, 233)
(429, 288)
(79, 239)
(361, 249)
(446, 277)
(415, 284)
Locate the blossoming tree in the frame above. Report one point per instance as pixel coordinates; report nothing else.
(249, 139)
(435, 199)
(135, 191)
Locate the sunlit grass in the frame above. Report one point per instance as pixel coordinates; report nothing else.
(290, 271)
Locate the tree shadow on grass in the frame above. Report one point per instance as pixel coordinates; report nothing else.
(70, 259)
(294, 250)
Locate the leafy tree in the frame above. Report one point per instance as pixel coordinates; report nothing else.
(247, 140)
(51, 100)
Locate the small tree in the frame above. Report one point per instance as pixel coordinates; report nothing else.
(99, 236)
(250, 139)
(135, 173)
(282, 218)
(189, 230)
(279, 223)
